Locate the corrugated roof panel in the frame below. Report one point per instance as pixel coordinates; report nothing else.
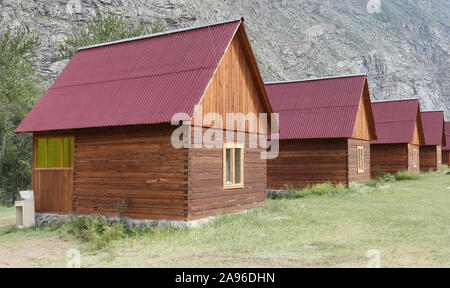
(319, 108)
(433, 125)
(143, 81)
(395, 120)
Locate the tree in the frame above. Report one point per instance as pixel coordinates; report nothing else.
(103, 28)
(18, 93)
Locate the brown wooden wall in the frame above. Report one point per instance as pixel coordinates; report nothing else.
(308, 162)
(413, 161)
(136, 164)
(207, 197)
(53, 190)
(353, 175)
(430, 158)
(364, 124)
(233, 88)
(390, 158)
(446, 157)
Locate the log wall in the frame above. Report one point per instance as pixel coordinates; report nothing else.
(414, 158)
(446, 157)
(53, 190)
(308, 162)
(388, 158)
(134, 170)
(430, 157)
(353, 175)
(207, 196)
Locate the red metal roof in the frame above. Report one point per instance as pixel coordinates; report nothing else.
(395, 120)
(447, 136)
(317, 108)
(433, 127)
(140, 81)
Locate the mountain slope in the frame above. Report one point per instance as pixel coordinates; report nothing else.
(403, 45)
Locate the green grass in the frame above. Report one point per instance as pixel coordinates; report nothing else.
(7, 216)
(408, 221)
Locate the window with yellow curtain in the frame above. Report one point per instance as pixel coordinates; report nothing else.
(54, 152)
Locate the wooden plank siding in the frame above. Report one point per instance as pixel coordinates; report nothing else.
(53, 190)
(390, 158)
(364, 125)
(430, 157)
(446, 157)
(418, 138)
(308, 162)
(232, 90)
(207, 196)
(413, 158)
(136, 164)
(353, 175)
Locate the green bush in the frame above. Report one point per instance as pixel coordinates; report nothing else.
(99, 232)
(386, 177)
(96, 231)
(323, 189)
(371, 183)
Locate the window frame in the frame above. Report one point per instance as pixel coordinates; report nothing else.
(359, 157)
(233, 147)
(36, 138)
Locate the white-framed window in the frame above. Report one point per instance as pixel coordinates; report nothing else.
(360, 158)
(233, 165)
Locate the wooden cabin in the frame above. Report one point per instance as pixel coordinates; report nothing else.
(325, 128)
(446, 148)
(433, 130)
(400, 135)
(103, 133)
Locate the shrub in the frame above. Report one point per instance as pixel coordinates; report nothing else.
(371, 183)
(97, 231)
(386, 177)
(280, 194)
(323, 189)
(405, 175)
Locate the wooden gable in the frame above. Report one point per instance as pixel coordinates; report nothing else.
(236, 87)
(365, 123)
(418, 138)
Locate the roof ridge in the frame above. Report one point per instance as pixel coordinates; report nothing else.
(395, 100)
(315, 79)
(158, 34)
(428, 111)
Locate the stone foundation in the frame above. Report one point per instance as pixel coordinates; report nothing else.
(48, 219)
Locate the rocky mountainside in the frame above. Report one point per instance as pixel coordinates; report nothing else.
(403, 45)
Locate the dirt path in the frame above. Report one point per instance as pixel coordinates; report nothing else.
(48, 251)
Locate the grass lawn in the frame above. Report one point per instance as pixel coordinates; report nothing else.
(7, 216)
(407, 221)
